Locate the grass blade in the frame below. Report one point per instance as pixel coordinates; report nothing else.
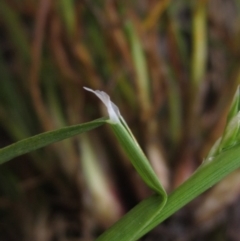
(204, 178)
(44, 139)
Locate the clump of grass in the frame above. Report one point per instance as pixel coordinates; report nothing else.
(171, 68)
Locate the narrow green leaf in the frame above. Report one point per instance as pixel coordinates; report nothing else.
(130, 227)
(235, 105)
(139, 59)
(67, 10)
(44, 139)
(199, 31)
(231, 132)
(134, 222)
(137, 157)
(129, 143)
(155, 209)
(205, 177)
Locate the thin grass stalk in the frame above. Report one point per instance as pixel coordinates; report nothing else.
(67, 10)
(142, 78)
(199, 29)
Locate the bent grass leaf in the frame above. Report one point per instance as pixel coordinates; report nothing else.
(35, 142)
(129, 227)
(207, 175)
(129, 143)
(138, 219)
(155, 209)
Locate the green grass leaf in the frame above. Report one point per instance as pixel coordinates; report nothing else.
(140, 217)
(33, 143)
(155, 209)
(129, 227)
(204, 178)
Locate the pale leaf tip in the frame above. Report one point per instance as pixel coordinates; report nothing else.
(112, 109)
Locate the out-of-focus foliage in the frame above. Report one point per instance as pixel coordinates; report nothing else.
(172, 68)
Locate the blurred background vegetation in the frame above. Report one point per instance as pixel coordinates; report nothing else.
(172, 68)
